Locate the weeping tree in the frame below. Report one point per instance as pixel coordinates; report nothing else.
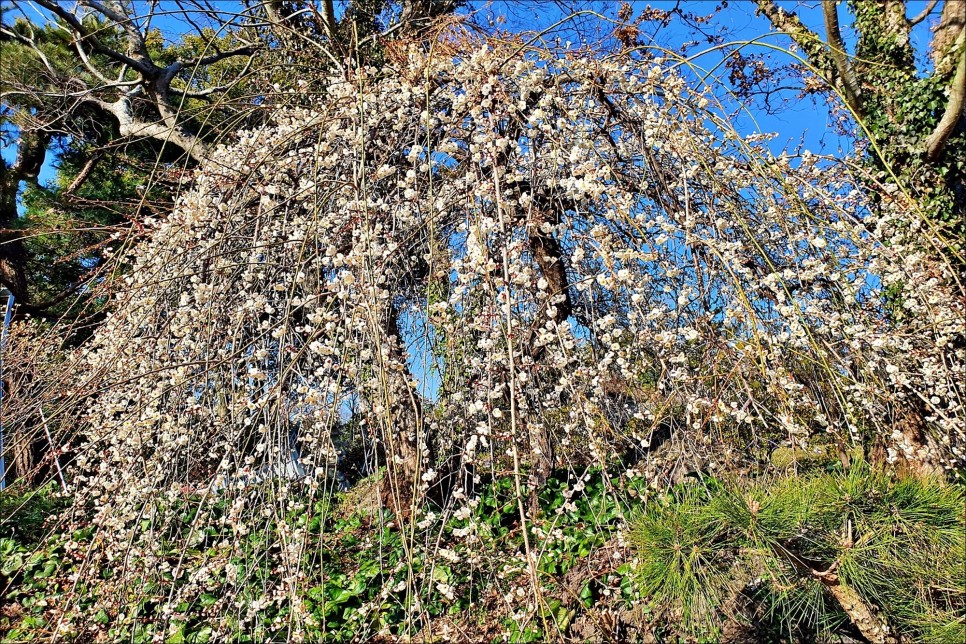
(487, 258)
(95, 91)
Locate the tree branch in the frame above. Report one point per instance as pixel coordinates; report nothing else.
(790, 24)
(936, 141)
(329, 17)
(29, 42)
(216, 89)
(80, 31)
(84, 173)
(79, 47)
(30, 156)
(853, 93)
(247, 50)
(130, 127)
(135, 38)
(924, 13)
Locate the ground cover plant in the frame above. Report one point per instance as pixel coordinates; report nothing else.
(357, 563)
(498, 340)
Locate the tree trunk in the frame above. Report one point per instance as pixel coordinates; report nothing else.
(548, 255)
(31, 151)
(400, 420)
(13, 263)
(862, 617)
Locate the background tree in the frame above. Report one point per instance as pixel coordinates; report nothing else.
(96, 86)
(910, 107)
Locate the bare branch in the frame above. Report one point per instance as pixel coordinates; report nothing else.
(135, 37)
(924, 13)
(81, 32)
(79, 47)
(29, 42)
(85, 172)
(247, 50)
(853, 93)
(791, 25)
(215, 89)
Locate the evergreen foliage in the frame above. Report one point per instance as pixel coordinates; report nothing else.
(879, 553)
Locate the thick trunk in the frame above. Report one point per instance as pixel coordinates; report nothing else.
(861, 615)
(26, 453)
(953, 116)
(31, 152)
(548, 255)
(13, 263)
(952, 23)
(13, 255)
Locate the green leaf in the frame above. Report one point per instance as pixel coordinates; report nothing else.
(442, 573)
(49, 569)
(586, 594)
(177, 637)
(12, 564)
(339, 596)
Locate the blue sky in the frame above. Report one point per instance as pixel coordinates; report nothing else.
(798, 122)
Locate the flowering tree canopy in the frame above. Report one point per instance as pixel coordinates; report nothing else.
(508, 260)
